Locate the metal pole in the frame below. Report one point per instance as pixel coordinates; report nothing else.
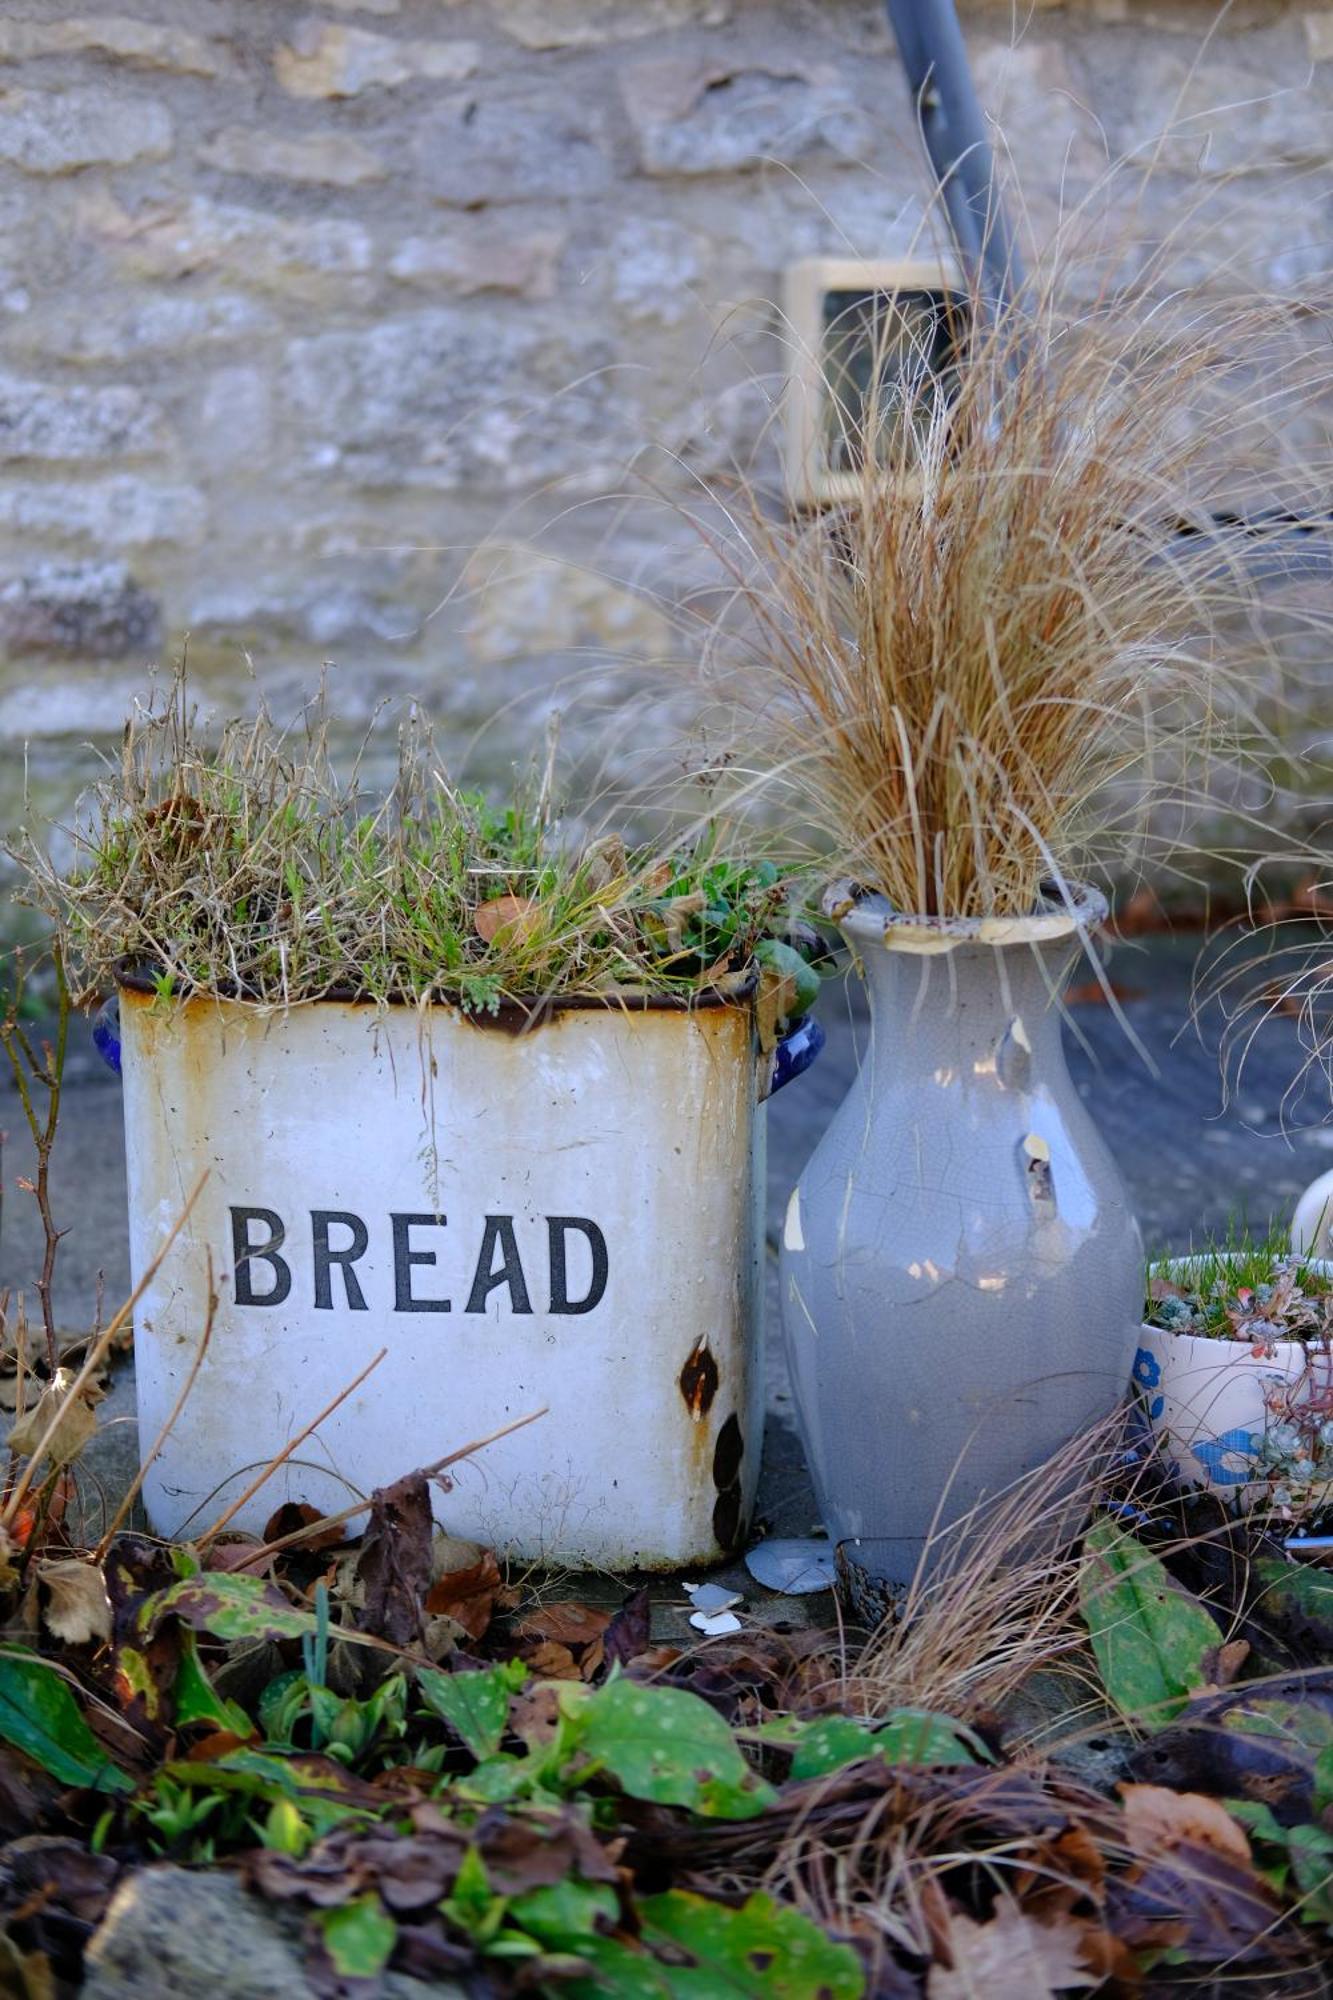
(953, 131)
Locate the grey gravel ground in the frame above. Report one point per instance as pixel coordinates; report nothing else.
(1190, 1160)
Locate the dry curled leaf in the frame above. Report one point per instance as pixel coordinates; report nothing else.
(1012, 1957)
(566, 1624)
(64, 1413)
(295, 1517)
(468, 1595)
(1223, 1663)
(394, 1564)
(75, 1604)
(508, 920)
(551, 1662)
(1157, 1820)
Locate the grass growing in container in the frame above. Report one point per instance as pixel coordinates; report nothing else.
(249, 867)
(1243, 1288)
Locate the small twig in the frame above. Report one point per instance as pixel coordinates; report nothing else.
(95, 1355)
(361, 1506)
(47, 1072)
(211, 1534)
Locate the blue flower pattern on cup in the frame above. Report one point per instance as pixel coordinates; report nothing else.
(1213, 1454)
(1147, 1372)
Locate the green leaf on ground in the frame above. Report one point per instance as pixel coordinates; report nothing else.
(1297, 1595)
(563, 1914)
(475, 1705)
(40, 1717)
(359, 1938)
(906, 1736)
(762, 1949)
(668, 1746)
(324, 1792)
(1149, 1637)
(197, 1700)
(1303, 1857)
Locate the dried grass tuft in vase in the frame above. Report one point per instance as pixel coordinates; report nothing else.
(1024, 650)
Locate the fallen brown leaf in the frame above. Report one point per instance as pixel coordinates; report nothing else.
(468, 1595)
(293, 1515)
(1157, 1820)
(240, 1554)
(551, 1662)
(507, 920)
(393, 1567)
(75, 1605)
(68, 1416)
(568, 1624)
(1012, 1957)
(1222, 1664)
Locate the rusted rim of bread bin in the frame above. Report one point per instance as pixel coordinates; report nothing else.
(511, 1016)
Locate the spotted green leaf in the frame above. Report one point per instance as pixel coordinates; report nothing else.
(762, 1949)
(1149, 1637)
(359, 1937)
(907, 1736)
(668, 1746)
(475, 1705)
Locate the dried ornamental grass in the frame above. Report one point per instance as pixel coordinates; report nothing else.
(1023, 637)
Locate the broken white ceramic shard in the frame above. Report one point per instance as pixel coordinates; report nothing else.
(792, 1568)
(712, 1597)
(715, 1624)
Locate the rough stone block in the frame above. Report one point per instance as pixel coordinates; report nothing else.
(523, 602)
(579, 24)
(307, 256)
(691, 115)
(59, 131)
(79, 610)
(325, 59)
(1319, 36)
(326, 159)
(1221, 116)
(477, 149)
(41, 421)
(118, 513)
(151, 325)
(234, 423)
(653, 268)
(455, 400)
(1044, 132)
(479, 257)
(152, 44)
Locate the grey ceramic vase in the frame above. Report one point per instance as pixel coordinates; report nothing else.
(962, 1278)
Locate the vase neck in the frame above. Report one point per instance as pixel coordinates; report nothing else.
(973, 1009)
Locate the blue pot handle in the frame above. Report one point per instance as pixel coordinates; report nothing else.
(796, 1052)
(106, 1033)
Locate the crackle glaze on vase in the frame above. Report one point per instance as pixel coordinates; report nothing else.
(961, 1274)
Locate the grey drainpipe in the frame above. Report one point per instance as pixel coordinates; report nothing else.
(953, 131)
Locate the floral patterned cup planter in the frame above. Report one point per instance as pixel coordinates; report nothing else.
(1217, 1406)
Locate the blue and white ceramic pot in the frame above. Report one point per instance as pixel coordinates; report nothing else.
(1222, 1410)
(961, 1274)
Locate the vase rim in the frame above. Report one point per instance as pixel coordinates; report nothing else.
(865, 916)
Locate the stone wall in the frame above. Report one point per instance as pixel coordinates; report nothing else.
(300, 304)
